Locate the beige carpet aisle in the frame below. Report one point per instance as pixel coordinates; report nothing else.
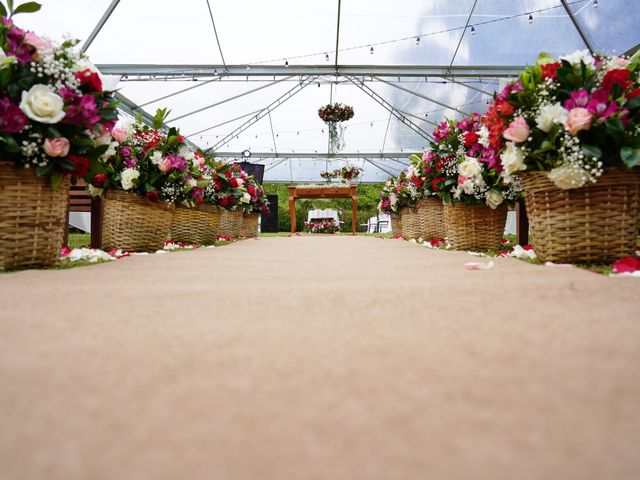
(318, 358)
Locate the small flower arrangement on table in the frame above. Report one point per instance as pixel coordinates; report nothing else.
(321, 226)
(572, 118)
(328, 175)
(55, 116)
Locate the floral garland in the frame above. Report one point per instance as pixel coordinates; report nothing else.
(571, 117)
(321, 226)
(55, 116)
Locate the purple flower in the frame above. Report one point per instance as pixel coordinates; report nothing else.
(600, 106)
(83, 112)
(12, 120)
(578, 99)
(16, 44)
(125, 151)
(131, 162)
(442, 131)
(178, 162)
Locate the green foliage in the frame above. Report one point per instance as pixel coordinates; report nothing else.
(28, 7)
(159, 118)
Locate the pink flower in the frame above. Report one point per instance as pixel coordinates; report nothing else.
(600, 106)
(578, 119)
(41, 45)
(119, 134)
(627, 264)
(12, 120)
(578, 99)
(518, 130)
(56, 147)
(165, 164)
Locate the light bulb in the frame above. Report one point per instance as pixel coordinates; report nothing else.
(248, 67)
(417, 41)
(286, 63)
(595, 3)
(371, 50)
(326, 57)
(473, 30)
(530, 18)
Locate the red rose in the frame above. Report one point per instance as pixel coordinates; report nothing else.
(217, 184)
(153, 196)
(99, 179)
(470, 139)
(633, 93)
(233, 182)
(627, 264)
(81, 165)
(550, 70)
(251, 190)
(90, 79)
(417, 181)
(616, 77)
(435, 182)
(224, 201)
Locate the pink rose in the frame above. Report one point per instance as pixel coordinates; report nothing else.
(518, 130)
(56, 147)
(119, 134)
(165, 164)
(42, 45)
(578, 119)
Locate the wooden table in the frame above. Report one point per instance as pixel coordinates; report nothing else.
(343, 191)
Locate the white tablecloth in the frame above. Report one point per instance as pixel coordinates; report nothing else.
(326, 213)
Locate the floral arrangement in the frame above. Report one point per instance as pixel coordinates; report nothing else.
(572, 118)
(335, 112)
(397, 193)
(321, 226)
(55, 116)
(466, 167)
(349, 172)
(258, 202)
(228, 188)
(146, 161)
(327, 175)
(333, 115)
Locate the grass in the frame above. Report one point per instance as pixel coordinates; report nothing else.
(77, 240)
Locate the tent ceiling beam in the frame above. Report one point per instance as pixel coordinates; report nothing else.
(215, 32)
(464, 30)
(105, 16)
(577, 26)
(183, 90)
(337, 36)
(265, 111)
(391, 109)
(223, 123)
(468, 86)
(315, 156)
(195, 71)
(430, 99)
(388, 172)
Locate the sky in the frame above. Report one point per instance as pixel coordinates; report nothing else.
(303, 32)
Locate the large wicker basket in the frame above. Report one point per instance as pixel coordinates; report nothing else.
(593, 224)
(230, 223)
(133, 223)
(32, 218)
(408, 223)
(197, 225)
(475, 227)
(429, 219)
(249, 225)
(396, 224)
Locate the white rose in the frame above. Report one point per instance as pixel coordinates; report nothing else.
(512, 159)
(494, 198)
(551, 115)
(484, 136)
(127, 178)
(156, 157)
(187, 153)
(192, 182)
(467, 187)
(568, 177)
(240, 182)
(94, 191)
(41, 104)
(470, 167)
(246, 198)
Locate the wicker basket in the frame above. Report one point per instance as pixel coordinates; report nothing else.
(198, 226)
(249, 225)
(475, 227)
(32, 218)
(408, 223)
(230, 223)
(133, 223)
(396, 224)
(593, 224)
(429, 219)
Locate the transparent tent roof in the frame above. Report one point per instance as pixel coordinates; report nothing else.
(250, 74)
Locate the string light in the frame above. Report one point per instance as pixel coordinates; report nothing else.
(595, 3)
(473, 30)
(286, 63)
(326, 57)
(417, 41)
(371, 50)
(530, 18)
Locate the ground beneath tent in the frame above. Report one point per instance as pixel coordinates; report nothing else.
(318, 358)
